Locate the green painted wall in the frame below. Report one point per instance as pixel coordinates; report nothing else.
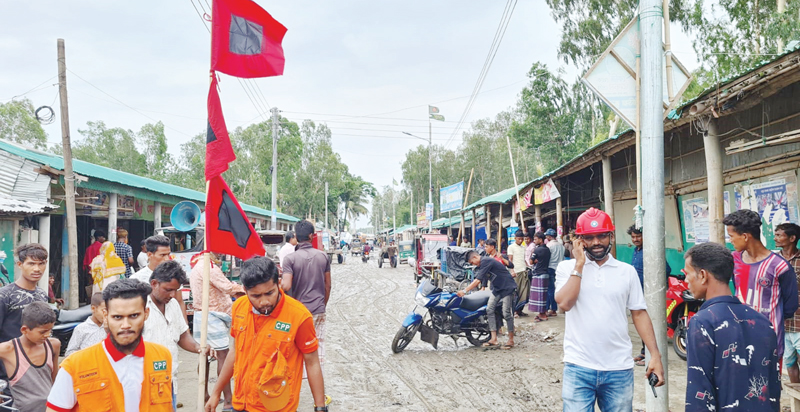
(7, 245)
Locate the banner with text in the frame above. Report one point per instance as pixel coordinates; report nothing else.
(451, 197)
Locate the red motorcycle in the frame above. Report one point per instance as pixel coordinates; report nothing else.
(681, 306)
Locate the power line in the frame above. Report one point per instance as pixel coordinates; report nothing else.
(35, 88)
(498, 38)
(125, 104)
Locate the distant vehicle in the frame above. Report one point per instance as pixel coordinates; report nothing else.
(356, 247)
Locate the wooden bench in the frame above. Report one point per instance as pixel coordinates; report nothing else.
(793, 390)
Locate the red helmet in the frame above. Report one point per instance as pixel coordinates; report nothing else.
(593, 221)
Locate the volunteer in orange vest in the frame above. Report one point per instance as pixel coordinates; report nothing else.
(273, 337)
(121, 373)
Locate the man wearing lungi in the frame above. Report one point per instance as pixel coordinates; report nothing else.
(540, 261)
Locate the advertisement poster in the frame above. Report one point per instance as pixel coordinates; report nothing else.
(451, 197)
(695, 220)
(512, 234)
(429, 212)
(772, 201)
(421, 220)
(125, 207)
(92, 203)
(546, 193)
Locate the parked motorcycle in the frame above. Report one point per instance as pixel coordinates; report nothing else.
(365, 257)
(4, 278)
(66, 321)
(6, 401)
(681, 307)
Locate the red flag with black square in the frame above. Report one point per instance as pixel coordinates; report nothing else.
(219, 151)
(245, 40)
(228, 230)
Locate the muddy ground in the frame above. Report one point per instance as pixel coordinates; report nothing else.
(362, 374)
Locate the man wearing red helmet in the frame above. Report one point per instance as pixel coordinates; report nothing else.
(596, 291)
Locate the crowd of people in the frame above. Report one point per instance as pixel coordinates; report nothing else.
(266, 333)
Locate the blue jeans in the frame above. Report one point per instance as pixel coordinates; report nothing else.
(551, 291)
(613, 390)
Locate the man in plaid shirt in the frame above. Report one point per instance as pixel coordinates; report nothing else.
(786, 237)
(124, 251)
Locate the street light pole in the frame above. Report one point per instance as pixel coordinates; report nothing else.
(430, 169)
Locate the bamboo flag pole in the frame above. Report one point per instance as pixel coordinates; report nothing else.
(202, 358)
(516, 185)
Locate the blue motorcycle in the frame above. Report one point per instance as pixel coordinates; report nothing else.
(447, 314)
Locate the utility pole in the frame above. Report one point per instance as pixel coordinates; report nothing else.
(394, 214)
(275, 118)
(430, 174)
(69, 183)
(326, 206)
(652, 138)
(781, 9)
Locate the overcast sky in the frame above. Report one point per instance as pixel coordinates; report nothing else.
(366, 68)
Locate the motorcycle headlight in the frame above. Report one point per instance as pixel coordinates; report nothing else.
(421, 300)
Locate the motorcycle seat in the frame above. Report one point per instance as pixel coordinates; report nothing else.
(475, 301)
(76, 315)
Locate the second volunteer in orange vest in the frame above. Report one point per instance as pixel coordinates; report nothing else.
(122, 373)
(274, 337)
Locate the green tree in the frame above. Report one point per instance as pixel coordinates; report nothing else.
(158, 161)
(19, 124)
(111, 147)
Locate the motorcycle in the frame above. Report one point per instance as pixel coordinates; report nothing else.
(6, 401)
(447, 314)
(4, 278)
(66, 321)
(681, 307)
(365, 256)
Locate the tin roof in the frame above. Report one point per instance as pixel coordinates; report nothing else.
(115, 176)
(10, 205)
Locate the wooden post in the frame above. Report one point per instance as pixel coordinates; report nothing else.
(466, 198)
(69, 182)
(559, 218)
(537, 210)
(488, 221)
(474, 228)
(157, 218)
(638, 137)
(608, 195)
(112, 217)
(500, 228)
(44, 240)
(716, 212)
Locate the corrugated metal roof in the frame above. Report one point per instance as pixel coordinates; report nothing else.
(403, 228)
(104, 173)
(445, 222)
(10, 205)
(502, 196)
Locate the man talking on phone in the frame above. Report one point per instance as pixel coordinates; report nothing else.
(596, 291)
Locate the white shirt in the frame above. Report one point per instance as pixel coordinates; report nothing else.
(129, 371)
(596, 333)
(86, 334)
(166, 329)
(142, 260)
(143, 275)
(286, 249)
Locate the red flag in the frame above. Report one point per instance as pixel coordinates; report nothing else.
(219, 151)
(228, 231)
(245, 40)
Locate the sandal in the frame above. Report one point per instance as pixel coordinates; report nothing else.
(538, 319)
(638, 358)
(640, 363)
(552, 313)
(490, 345)
(507, 347)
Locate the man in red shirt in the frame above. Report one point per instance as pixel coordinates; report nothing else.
(94, 249)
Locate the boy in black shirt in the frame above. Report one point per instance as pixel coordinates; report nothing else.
(31, 264)
(503, 288)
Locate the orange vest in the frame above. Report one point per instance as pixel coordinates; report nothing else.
(253, 350)
(98, 389)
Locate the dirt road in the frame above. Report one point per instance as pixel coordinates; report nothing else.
(362, 374)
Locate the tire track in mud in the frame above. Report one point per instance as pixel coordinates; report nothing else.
(454, 366)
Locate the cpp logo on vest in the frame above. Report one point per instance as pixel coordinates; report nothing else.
(283, 327)
(160, 365)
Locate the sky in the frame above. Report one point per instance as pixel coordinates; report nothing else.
(368, 69)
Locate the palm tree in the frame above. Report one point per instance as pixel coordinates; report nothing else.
(355, 195)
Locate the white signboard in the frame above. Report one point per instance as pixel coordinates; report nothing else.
(613, 76)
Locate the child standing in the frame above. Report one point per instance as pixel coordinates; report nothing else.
(32, 359)
(91, 331)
